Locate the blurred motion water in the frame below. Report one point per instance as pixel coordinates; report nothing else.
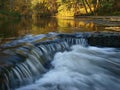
(82, 68)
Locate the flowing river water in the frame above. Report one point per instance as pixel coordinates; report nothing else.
(61, 65)
(82, 68)
(51, 63)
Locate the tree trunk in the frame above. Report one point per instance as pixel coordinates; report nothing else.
(84, 6)
(96, 6)
(89, 6)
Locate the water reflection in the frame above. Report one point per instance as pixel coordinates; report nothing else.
(13, 29)
(75, 25)
(44, 25)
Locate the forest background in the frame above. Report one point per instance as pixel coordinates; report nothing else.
(59, 8)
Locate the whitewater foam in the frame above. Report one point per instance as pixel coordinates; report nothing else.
(82, 68)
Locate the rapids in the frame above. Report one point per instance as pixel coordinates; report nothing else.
(81, 68)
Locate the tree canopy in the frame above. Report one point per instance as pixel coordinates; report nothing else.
(60, 7)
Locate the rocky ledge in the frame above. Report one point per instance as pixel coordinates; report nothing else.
(100, 39)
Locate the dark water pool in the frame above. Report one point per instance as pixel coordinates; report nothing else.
(9, 30)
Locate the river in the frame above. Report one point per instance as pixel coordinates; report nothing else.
(62, 62)
(10, 30)
(82, 68)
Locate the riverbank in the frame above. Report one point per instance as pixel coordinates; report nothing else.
(111, 18)
(7, 15)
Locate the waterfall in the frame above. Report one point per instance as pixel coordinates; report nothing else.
(30, 58)
(74, 39)
(36, 61)
(82, 68)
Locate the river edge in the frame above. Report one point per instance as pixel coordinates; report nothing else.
(111, 23)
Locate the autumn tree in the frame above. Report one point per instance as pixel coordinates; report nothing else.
(22, 7)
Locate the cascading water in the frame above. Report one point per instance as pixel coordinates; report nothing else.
(83, 68)
(35, 62)
(53, 65)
